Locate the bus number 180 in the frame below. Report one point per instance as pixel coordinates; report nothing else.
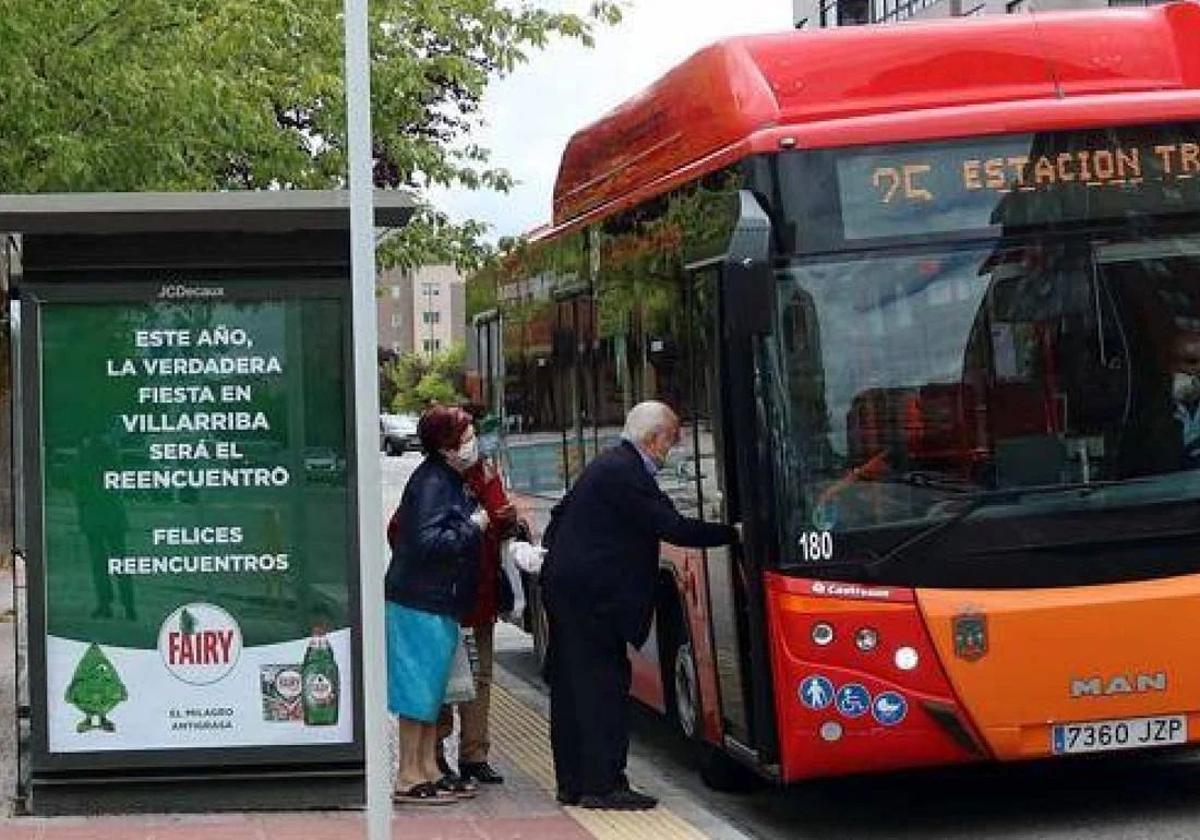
(816, 546)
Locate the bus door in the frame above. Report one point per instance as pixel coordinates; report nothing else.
(723, 571)
(732, 481)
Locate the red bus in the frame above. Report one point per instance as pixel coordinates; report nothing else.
(927, 298)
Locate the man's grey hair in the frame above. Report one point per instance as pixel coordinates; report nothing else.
(646, 419)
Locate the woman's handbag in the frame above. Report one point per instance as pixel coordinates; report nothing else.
(461, 686)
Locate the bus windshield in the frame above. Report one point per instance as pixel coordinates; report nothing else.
(1019, 386)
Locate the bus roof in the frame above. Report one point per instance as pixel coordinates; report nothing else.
(702, 114)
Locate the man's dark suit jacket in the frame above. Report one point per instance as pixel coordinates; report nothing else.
(1153, 443)
(603, 539)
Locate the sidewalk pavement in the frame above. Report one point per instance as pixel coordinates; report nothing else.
(523, 808)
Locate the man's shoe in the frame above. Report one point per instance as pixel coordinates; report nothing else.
(480, 771)
(619, 800)
(458, 786)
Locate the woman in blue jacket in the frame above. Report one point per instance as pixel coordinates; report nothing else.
(430, 583)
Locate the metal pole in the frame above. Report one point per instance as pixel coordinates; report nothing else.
(366, 390)
(427, 317)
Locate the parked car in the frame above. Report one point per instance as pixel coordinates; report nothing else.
(323, 464)
(398, 434)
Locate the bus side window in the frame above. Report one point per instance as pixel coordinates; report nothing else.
(616, 311)
(668, 377)
(573, 375)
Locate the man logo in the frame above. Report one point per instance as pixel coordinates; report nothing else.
(1118, 684)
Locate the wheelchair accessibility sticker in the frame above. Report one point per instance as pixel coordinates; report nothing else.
(853, 700)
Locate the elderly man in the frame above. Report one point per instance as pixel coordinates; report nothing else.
(598, 584)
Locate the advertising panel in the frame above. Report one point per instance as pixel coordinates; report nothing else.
(196, 523)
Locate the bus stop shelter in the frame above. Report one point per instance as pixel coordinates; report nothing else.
(176, 377)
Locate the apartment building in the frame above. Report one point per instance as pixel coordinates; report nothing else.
(423, 310)
(816, 14)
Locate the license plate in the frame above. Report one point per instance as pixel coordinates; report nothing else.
(1120, 734)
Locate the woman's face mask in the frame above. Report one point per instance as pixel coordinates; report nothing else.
(465, 456)
(667, 443)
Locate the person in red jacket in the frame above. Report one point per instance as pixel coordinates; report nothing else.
(486, 485)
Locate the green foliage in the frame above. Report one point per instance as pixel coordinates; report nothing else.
(483, 284)
(433, 388)
(451, 363)
(481, 295)
(431, 238)
(413, 380)
(248, 94)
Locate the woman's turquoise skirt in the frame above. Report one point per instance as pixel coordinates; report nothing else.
(420, 651)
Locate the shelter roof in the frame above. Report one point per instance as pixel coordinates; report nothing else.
(262, 211)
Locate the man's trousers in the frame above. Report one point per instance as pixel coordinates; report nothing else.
(588, 670)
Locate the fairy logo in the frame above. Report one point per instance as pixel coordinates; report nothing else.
(200, 643)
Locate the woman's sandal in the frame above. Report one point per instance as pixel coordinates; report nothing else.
(425, 793)
(458, 787)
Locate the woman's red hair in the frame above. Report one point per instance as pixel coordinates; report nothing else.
(442, 427)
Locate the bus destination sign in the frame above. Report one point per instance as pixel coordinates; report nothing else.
(1018, 180)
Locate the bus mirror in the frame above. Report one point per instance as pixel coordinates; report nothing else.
(748, 292)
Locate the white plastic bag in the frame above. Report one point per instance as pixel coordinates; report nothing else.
(517, 556)
(526, 556)
(510, 571)
(461, 686)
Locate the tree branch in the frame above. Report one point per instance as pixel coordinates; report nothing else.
(96, 27)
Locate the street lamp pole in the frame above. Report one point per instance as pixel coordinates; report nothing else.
(366, 390)
(429, 315)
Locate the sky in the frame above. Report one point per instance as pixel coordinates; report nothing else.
(530, 115)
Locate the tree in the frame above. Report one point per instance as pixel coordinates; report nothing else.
(413, 380)
(433, 388)
(248, 94)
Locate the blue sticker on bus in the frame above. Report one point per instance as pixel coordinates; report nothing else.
(889, 708)
(853, 700)
(816, 692)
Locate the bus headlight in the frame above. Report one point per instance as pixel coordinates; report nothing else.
(822, 633)
(906, 658)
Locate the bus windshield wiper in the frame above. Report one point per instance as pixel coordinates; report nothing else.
(974, 501)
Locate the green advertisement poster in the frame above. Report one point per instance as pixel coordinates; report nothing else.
(196, 516)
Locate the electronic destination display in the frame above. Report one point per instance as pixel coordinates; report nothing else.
(1013, 181)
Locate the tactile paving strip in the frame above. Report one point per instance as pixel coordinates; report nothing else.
(523, 736)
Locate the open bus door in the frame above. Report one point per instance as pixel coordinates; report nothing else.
(730, 302)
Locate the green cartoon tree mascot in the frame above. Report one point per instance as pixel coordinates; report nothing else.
(95, 689)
